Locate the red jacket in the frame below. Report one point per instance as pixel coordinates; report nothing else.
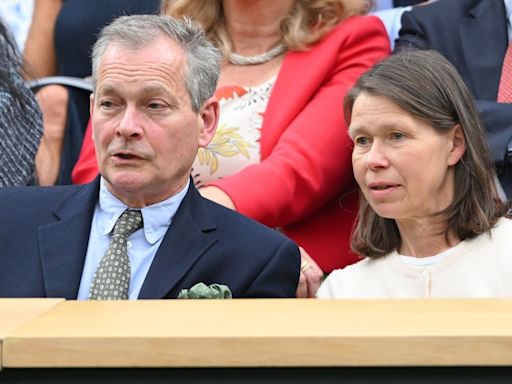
(304, 183)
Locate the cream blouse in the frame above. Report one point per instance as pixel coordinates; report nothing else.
(478, 268)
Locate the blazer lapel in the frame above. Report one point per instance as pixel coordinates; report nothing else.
(190, 235)
(63, 244)
(484, 38)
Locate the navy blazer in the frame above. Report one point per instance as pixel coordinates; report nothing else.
(44, 233)
(472, 35)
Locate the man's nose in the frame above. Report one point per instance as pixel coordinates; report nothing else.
(130, 126)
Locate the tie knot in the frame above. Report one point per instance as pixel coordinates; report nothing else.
(128, 222)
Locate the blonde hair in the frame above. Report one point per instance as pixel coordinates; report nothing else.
(308, 22)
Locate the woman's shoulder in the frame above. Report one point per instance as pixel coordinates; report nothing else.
(498, 239)
(503, 228)
(365, 265)
(356, 30)
(346, 282)
(360, 23)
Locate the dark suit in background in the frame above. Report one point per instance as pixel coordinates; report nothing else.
(406, 3)
(44, 234)
(473, 35)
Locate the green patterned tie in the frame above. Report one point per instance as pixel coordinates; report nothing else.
(112, 278)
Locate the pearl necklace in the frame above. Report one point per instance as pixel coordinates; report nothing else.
(237, 59)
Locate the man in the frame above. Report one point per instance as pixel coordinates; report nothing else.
(474, 36)
(152, 108)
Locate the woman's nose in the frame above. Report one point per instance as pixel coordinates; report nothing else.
(376, 157)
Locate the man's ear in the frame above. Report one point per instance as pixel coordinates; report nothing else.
(209, 115)
(91, 111)
(91, 104)
(458, 145)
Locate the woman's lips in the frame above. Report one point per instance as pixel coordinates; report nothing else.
(382, 189)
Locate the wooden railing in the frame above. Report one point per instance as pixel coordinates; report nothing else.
(256, 333)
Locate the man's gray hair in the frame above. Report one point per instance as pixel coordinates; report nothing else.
(139, 31)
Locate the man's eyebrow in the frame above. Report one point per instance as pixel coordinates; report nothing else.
(146, 91)
(151, 90)
(107, 89)
(354, 130)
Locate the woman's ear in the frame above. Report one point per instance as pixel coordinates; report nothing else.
(210, 118)
(458, 145)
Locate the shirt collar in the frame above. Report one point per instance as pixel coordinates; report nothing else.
(157, 217)
(508, 8)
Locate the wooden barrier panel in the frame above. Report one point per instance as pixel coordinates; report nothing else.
(15, 312)
(266, 333)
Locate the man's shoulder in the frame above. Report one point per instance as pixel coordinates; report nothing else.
(442, 10)
(37, 191)
(233, 223)
(33, 198)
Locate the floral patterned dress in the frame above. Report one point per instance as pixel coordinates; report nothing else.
(236, 143)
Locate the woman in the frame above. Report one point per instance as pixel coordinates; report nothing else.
(431, 223)
(21, 123)
(281, 154)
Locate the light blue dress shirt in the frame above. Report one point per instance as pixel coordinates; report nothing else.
(382, 4)
(391, 18)
(142, 244)
(508, 7)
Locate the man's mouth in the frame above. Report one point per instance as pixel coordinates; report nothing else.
(126, 156)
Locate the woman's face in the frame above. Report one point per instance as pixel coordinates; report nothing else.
(403, 166)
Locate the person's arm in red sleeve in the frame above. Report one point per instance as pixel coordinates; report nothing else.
(86, 168)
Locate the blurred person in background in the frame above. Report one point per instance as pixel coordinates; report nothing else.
(475, 36)
(59, 43)
(21, 124)
(17, 15)
(390, 12)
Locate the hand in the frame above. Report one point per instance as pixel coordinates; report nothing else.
(310, 276)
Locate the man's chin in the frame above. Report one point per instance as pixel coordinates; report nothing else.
(126, 180)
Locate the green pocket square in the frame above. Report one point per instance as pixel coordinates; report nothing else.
(203, 291)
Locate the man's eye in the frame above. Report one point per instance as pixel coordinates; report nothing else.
(397, 136)
(361, 140)
(106, 104)
(155, 106)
